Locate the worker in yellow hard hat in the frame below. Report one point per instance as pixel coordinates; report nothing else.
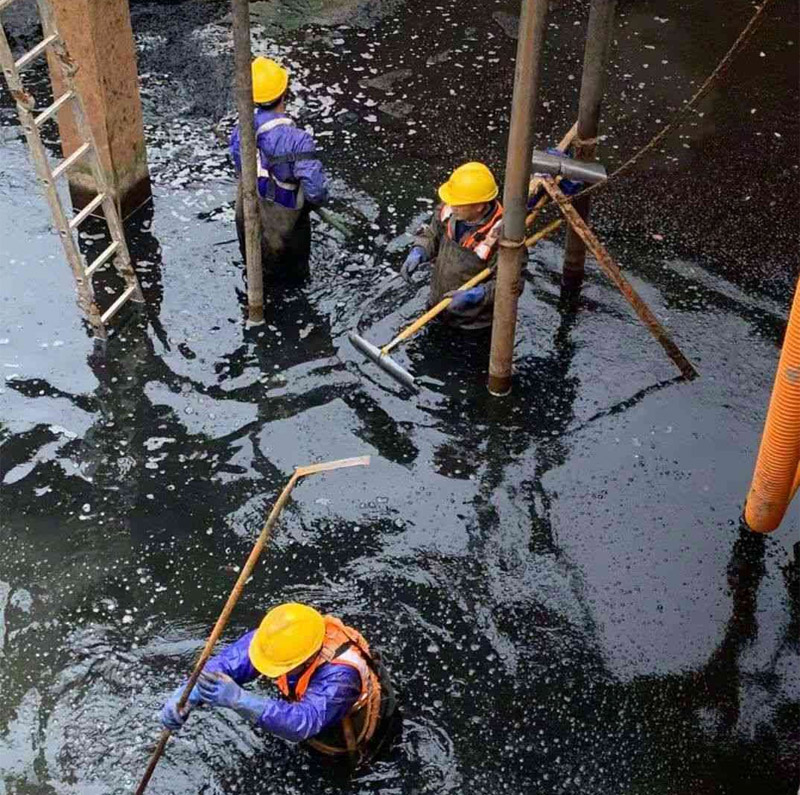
(291, 180)
(335, 691)
(460, 241)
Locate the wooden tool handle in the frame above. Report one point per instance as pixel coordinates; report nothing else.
(222, 621)
(329, 466)
(244, 576)
(432, 313)
(544, 232)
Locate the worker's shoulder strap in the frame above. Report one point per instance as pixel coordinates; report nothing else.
(339, 651)
(347, 638)
(288, 157)
(271, 124)
(360, 645)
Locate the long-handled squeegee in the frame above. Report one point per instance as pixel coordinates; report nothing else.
(381, 355)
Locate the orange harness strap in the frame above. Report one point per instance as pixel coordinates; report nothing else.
(483, 240)
(343, 646)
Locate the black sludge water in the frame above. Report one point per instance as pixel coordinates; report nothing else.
(557, 580)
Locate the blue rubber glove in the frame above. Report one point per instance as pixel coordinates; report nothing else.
(171, 717)
(415, 257)
(466, 299)
(219, 690)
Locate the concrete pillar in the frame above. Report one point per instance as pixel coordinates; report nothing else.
(99, 39)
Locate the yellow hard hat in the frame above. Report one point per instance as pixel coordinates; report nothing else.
(269, 80)
(471, 183)
(289, 634)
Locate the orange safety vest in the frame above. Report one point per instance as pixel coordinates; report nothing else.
(344, 646)
(482, 241)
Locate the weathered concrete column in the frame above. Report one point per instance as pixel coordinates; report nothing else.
(593, 81)
(515, 195)
(99, 39)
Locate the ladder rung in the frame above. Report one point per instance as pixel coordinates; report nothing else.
(87, 211)
(54, 108)
(71, 160)
(36, 51)
(103, 258)
(117, 305)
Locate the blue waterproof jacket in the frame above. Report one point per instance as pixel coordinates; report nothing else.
(331, 693)
(287, 152)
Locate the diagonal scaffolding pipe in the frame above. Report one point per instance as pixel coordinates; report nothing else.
(611, 269)
(249, 177)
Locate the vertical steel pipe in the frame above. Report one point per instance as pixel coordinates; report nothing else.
(515, 195)
(593, 82)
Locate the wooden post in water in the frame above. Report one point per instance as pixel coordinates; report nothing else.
(249, 176)
(515, 195)
(595, 64)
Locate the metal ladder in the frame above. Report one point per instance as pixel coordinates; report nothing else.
(31, 123)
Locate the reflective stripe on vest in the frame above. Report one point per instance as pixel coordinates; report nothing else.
(265, 173)
(343, 646)
(482, 241)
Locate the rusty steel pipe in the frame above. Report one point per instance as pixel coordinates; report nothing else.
(562, 146)
(515, 196)
(249, 176)
(593, 79)
(611, 269)
(581, 170)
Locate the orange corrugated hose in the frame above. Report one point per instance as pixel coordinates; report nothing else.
(777, 473)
